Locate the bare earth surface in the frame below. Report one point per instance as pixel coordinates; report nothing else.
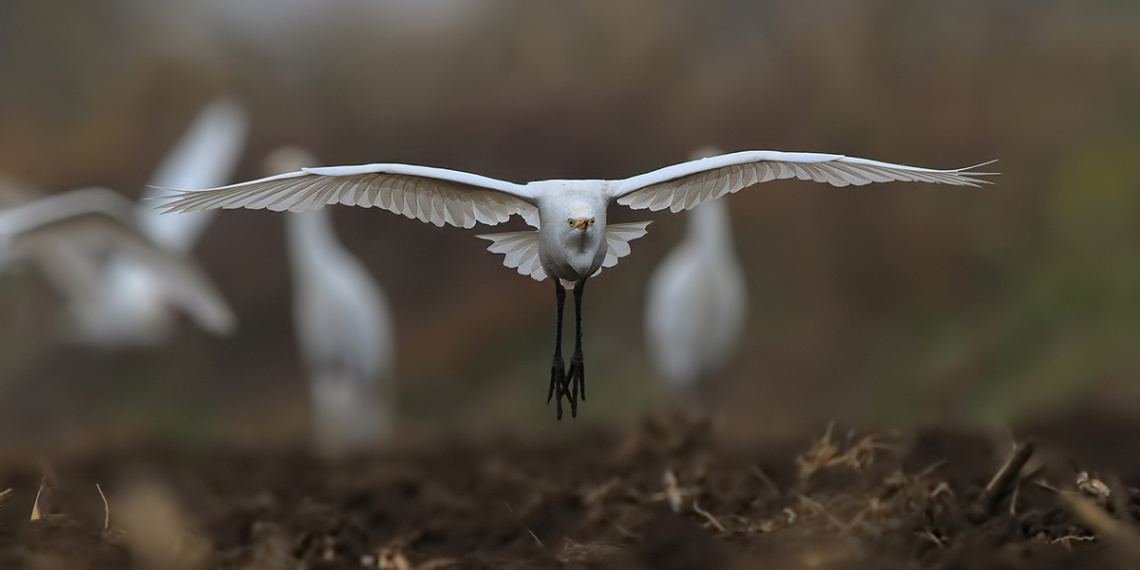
(664, 494)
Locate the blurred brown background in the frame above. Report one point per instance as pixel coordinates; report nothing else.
(887, 305)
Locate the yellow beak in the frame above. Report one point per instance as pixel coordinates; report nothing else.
(582, 223)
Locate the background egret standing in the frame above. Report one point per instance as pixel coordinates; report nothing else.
(697, 300)
(344, 328)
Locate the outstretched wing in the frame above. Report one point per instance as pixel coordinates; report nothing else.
(433, 195)
(28, 216)
(683, 186)
(68, 235)
(205, 157)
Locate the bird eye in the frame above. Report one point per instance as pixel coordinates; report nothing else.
(591, 222)
(570, 222)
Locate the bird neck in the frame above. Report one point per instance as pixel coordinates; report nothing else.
(709, 224)
(311, 234)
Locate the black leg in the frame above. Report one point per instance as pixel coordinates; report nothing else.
(577, 374)
(557, 368)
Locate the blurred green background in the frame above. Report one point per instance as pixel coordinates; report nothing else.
(887, 305)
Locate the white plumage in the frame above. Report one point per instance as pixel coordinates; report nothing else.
(205, 157)
(571, 237)
(137, 306)
(344, 328)
(696, 302)
(67, 236)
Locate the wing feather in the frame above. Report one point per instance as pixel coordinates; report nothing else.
(683, 186)
(618, 237)
(432, 195)
(520, 250)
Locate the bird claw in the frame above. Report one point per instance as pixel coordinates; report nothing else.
(557, 384)
(576, 379)
(569, 383)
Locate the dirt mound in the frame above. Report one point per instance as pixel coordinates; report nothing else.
(662, 495)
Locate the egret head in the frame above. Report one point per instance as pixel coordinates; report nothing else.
(580, 217)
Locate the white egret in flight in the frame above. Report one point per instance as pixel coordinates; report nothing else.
(138, 309)
(696, 301)
(344, 328)
(67, 235)
(571, 241)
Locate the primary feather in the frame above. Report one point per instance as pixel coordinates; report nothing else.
(434, 195)
(683, 186)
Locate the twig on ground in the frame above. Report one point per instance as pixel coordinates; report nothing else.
(1006, 480)
(37, 512)
(674, 493)
(5, 495)
(1068, 539)
(1122, 536)
(929, 535)
(825, 453)
(578, 552)
(524, 525)
(818, 508)
(709, 517)
(106, 508)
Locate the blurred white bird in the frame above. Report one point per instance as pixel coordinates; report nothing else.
(344, 328)
(697, 301)
(572, 241)
(137, 305)
(67, 235)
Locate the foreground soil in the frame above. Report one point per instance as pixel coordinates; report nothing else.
(664, 494)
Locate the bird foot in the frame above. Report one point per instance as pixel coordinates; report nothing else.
(576, 380)
(558, 383)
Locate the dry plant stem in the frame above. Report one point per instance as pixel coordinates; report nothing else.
(709, 517)
(5, 495)
(106, 508)
(1123, 537)
(1007, 478)
(524, 525)
(36, 512)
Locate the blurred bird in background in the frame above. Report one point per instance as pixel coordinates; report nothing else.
(344, 328)
(571, 241)
(125, 281)
(69, 236)
(137, 303)
(696, 302)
